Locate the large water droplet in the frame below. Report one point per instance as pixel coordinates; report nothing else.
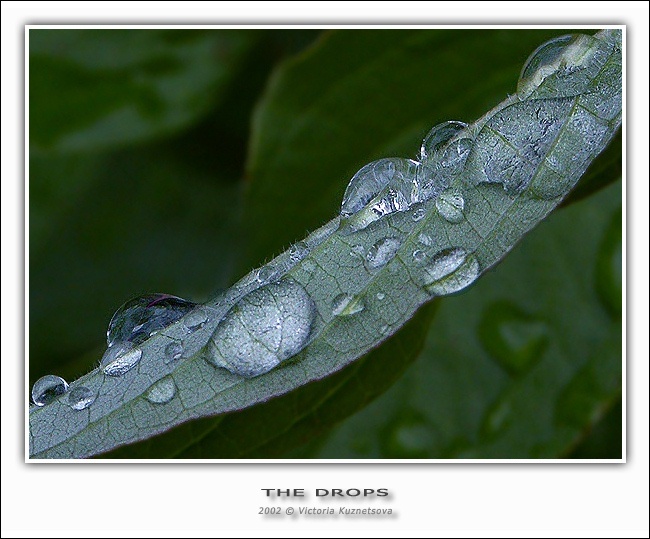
(449, 271)
(450, 206)
(80, 398)
(162, 391)
(439, 136)
(139, 318)
(173, 351)
(544, 59)
(265, 327)
(196, 319)
(347, 305)
(298, 251)
(120, 359)
(48, 388)
(382, 252)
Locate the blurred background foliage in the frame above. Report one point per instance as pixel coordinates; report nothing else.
(175, 160)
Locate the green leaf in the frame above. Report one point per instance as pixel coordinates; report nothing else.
(98, 89)
(493, 385)
(322, 303)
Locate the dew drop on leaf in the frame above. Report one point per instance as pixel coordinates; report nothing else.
(419, 255)
(347, 305)
(48, 388)
(120, 359)
(449, 271)
(140, 317)
(382, 252)
(267, 326)
(380, 296)
(196, 319)
(439, 136)
(162, 391)
(450, 206)
(419, 214)
(80, 398)
(173, 351)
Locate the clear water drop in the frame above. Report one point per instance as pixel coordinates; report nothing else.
(139, 317)
(449, 271)
(80, 398)
(419, 214)
(298, 251)
(347, 305)
(266, 327)
(439, 136)
(425, 239)
(120, 359)
(455, 155)
(196, 319)
(382, 252)
(385, 329)
(162, 391)
(450, 206)
(380, 296)
(419, 256)
(48, 388)
(173, 351)
(267, 274)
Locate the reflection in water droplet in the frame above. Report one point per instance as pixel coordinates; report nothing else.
(346, 305)
(162, 391)
(382, 252)
(419, 214)
(195, 319)
(450, 206)
(425, 239)
(48, 388)
(544, 59)
(80, 398)
(120, 359)
(173, 351)
(266, 327)
(449, 271)
(298, 251)
(419, 255)
(140, 317)
(439, 136)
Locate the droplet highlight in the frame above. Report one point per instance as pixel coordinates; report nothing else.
(120, 359)
(266, 327)
(450, 206)
(347, 305)
(382, 252)
(449, 271)
(80, 398)
(162, 391)
(419, 255)
(48, 388)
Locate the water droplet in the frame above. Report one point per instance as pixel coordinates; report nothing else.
(449, 271)
(380, 296)
(385, 329)
(120, 359)
(450, 206)
(139, 317)
(48, 388)
(382, 252)
(196, 319)
(455, 155)
(439, 136)
(425, 239)
(267, 274)
(80, 398)
(419, 255)
(346, 305)
(173, 351)
(265, 327)
(298, 251)
(544, 59)
(419, 214)
(162, 391)
(513, 337)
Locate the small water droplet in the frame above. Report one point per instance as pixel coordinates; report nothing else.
(120, 359)
(380, 296)
(48, 388)
(346, 305)
(450, 206)
(425, 239)
(196, 319)
(140, 317)
(80, 398)
(419, 255)
(449, 271)
(162, 391)
(267, 274)
(385, 329)
(265, 327)
(173, 351)
(439, 136)
(382, 252)
(419, 214)
(298, 251)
